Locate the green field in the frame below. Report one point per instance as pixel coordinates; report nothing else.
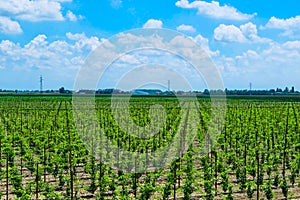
(256, 156)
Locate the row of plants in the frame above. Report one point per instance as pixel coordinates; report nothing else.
(48, 149)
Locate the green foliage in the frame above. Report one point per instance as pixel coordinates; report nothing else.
(225, 180)
(230, 192)
(268, 191)
(34, 130)
(250, 190)
(284, 187)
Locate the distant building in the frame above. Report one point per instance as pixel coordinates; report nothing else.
(85, 92)
(146, 92)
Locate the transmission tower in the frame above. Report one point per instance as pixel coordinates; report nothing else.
(41, 84)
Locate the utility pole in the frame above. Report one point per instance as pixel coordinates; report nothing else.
(41, 84)
(169, 85)
(250, 85)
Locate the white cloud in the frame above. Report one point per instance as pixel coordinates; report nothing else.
(215, 10)
(60, 47)
(82, 42)
(33, 10)
(187, 28)
(8, 26)
(245, 33)
(275, 64)
(153, 23)
(229, 33)
(42, 10)
(76, 36)
(129, 59)
(292, 44)
(179, 45)
(203, 42)
(290, 25)
(249, 29)
(293, 22)
(72, 17)
(8, 46)
(38, 42)
(59, 56)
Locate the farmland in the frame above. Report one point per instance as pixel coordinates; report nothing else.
(256, 155)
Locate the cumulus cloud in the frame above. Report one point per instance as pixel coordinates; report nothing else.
(75, 36)
(245, 33)
(187, 28)
(153, 23)
(290, 25)
(181, 49)
(83, 42)
(8, 26)
(229, 33)
(263, 56)
(8, 47)
(129, 59)
(293, 22)
(72, 17)
(249, 29)
(37, 43)
(279, 61)
(214, 10)
(40, 53)
(34, 11)
(292, 44)
(204, 43)
(250, 32)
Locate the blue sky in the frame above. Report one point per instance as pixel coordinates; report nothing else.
(249, 41)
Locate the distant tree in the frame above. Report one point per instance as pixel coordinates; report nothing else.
(206, 91)
(278, 90)
(292, 90)
(286, 90)
(62, 90)
(271, 91)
